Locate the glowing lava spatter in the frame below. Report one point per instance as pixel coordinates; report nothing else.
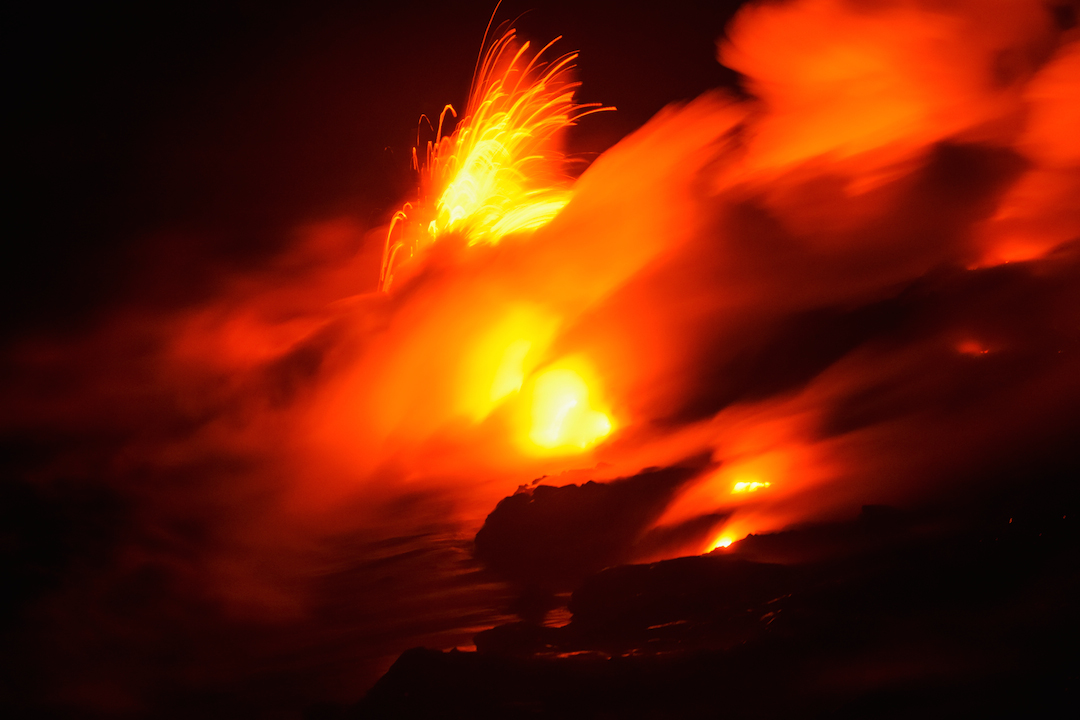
(500, 172)
(749, 486)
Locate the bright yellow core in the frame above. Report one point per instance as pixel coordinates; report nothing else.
(561, 415)
(511, 371)
(749, 486)
(721, 543)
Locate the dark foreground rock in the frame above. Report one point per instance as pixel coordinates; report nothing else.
(892, 615)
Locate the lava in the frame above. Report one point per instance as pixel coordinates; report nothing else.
(851, 280)
(561, 411)
(500, 172)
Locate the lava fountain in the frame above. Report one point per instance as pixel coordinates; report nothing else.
(500, 172)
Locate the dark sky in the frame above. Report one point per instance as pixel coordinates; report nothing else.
(154, 143)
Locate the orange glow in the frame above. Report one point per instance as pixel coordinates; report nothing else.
(883, 85)
(501, 171)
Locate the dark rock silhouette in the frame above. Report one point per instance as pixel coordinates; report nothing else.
(932, 613)
(554, 537)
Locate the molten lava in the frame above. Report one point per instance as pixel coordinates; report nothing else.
(561, 413)
(749, 486)
(500, 172)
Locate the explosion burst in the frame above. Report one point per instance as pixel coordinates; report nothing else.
(500, 172)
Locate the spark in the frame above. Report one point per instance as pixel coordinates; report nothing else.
(499, 172)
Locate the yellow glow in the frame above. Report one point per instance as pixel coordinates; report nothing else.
(561, 414)
(722, 542)
(749, 486)
(500, 172)
(502, 357)
(511, 371)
